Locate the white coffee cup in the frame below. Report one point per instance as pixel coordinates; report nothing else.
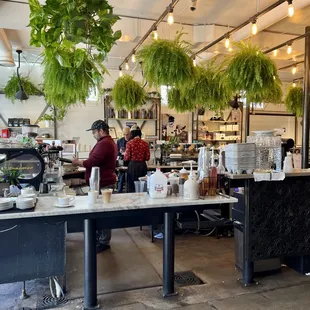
(66, 200)
(92, 197)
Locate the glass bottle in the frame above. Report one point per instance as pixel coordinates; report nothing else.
(212, 175)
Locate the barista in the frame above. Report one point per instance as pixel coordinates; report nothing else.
(137, 153)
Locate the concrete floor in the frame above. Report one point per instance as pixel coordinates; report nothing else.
(129, 277)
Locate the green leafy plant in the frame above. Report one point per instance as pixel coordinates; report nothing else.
(250, 70)
(293, 100)
(179, 102)
(128, 94)
(10, 175)
(47, 117)
(167, 62)
(12, 87)
(59, 26)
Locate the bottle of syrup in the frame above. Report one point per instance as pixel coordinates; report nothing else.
(212, 175)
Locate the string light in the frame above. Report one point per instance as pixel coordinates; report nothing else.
(275, 53)
(227, 42)
(133, 57)
(289, 48)
(290, 10)
(294, 69)
(120, 72)
(194, 62)
(126, 65)
(254, 27)
(230, 49)
(155, 33)
(170, 19)
(294, 84)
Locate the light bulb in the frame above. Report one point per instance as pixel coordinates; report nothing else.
(120, 72)
(294, 70)
(294, 84)
(289, 49)
(274, 78)
(155, 34)
(126, 66)
(290, 10)
(133, 58)
(227, 42)
(254, 28)
(194, 62)
(275, 53)
(170, 19)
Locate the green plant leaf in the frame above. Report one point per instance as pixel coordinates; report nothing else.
(293, 101)
(128, 94)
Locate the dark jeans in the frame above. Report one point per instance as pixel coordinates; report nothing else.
(136, 169)
(103, 236)
(121, 182)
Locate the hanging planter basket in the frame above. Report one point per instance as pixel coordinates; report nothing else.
(12, 87)
(293, 100)
(178, 102)
(250, 70)
(167, 62)
(128, 94)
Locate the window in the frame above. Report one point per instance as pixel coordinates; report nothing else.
(164, 94)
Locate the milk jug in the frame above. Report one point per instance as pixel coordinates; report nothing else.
(288, 163)
(158, 185)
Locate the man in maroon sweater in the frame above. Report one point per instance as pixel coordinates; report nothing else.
(103, 155)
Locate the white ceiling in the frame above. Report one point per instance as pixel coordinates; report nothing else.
(223, 13)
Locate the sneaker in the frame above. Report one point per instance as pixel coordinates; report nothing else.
(159, 236)
(102, 247)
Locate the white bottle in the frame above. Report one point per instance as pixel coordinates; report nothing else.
(288, 163)
(158, 185)
(191, 186)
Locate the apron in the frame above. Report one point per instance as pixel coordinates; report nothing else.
(136, 169)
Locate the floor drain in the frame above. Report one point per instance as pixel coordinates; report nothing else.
(50, 302)
(186, 278)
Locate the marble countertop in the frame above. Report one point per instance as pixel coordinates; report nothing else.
(296, 173)
(119, 202)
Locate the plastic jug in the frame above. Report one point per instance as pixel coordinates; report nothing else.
(158, 185)
(191, 186)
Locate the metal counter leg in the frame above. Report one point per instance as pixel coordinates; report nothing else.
(168, 251)
(90, 265)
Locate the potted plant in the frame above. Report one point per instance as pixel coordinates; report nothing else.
(12, 87)
(167, 62)
(293, 100)
(47, 118)
(11, 176)
(128, 94)
(70, 72)
(250, 70)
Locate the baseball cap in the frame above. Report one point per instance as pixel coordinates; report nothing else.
(99, 124)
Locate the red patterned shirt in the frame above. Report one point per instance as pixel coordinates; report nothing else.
(137, 150)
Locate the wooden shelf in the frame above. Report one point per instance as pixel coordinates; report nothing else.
(216, 122)
(133, 119)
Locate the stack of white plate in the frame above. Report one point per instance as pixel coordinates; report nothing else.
(25, 203)
(6, 204)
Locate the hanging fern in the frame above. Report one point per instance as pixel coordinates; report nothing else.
(167, 62)
(68, 77)
(179, 102)
(128, 94)
(293, 100)
(12, 87)
(250, 70)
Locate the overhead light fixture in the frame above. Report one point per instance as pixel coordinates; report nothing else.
(289, 48)
(155, 33)
(21, 94)
(294, 84)
(227, 42)
(120, 73)
(274, 78)
(133, 57)
(193, 6)
(290, 10)
(170, 19)
(294, 69)
(194, 62)
(230, 49)
(275, 53)
(254, 26)
(126, 65)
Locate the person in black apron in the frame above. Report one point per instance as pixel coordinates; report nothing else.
(137, 153)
